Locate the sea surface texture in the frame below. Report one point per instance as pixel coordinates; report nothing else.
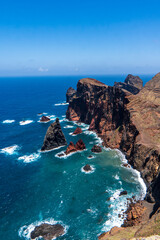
(40, 187)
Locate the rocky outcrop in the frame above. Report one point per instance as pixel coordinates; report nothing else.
(132, 84)
(70, 94)
(77, 131)
(54, 137)
(96, 149)
(45, 119)
(48, 231)
(123, 193)
(80, 146)
(87, 168)
(125, 121)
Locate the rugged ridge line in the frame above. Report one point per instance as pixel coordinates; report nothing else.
(125, 121)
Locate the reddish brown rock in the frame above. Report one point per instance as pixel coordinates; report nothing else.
(96, 149)
(71, 148)
(45, 119)
(112, 232)
(80, 146)
(77, 131)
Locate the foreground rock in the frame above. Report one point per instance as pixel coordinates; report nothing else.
(80, 146)
(70, 94)
(132, 84)
(54, 137)
(77, 131)
(96, 149)
(48, 231)
(87, 168)
(45, 119)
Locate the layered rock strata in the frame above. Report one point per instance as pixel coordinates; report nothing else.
(125, 121)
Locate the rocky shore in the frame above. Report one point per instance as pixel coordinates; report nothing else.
(125, 119)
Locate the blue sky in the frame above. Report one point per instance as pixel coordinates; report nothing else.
(79, 37)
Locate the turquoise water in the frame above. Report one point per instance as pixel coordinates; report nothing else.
(43, 187)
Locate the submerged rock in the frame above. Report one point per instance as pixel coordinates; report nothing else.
(96, 149)
(80, 146)
(87, 168)
(45, 119)
(77, 131)
(70, 94)
(48, 231)
(54, 137)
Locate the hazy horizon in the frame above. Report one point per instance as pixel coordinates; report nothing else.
(84, 38)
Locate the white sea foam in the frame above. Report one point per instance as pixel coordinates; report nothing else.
(25, 122)
(40, 114)
(10, 150)
(116, 177)
(52, 149)
(68, 126)
(8, 121)
(61, 104)
(29, 158)
(67, 155)
(89, 172)
(25, 231)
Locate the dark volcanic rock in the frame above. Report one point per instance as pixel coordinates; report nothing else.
(123, 193)
(54, 137)
(48, 231)
(125, 121)
(45, 119)
(132, 84)
(87, 168)
(77, 131)
(96, 149)
(70, 94)
(90, 156)
(80, 146)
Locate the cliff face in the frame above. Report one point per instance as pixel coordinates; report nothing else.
(125, 121)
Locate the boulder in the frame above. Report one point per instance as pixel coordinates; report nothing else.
(48, 231)
(123, 193)
(87, 168)
(77, 131)
(45, 119)
(96, 149)
(54, 137)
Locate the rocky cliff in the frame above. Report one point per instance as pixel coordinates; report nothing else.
(54, 137)
(132, 84)
(125, 121)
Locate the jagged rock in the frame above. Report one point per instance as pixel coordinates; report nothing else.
(87, 168)
(48, 231)
(132, 84)
(45, 119)
(80, 146)
(125, 121)
(54, 137)
(71, 148)
(70, 94)
(134, 214)
(123, 193)
(96, 149)
(77, 131)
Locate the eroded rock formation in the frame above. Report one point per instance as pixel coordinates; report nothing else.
(132, 84)
(70, 94)
(80, 146)
(54, 137)
(45, 119)
(125, 121)
(77, 131)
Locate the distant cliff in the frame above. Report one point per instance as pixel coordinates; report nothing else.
(125, 121)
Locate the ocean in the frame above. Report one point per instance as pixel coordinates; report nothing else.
(40, 187)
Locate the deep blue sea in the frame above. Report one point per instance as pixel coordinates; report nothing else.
(40, 187)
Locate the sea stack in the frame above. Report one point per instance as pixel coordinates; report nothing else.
(54, 137)
(70, 94)
(45, 119)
